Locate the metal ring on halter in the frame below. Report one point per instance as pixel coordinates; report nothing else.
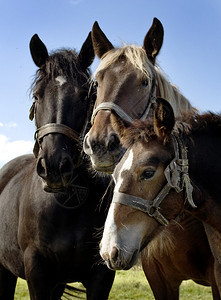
(149, 207)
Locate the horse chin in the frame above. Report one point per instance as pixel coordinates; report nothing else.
(104, 166)
(123, 264)
(104, 169)
(105, 163)
(53, 189)
(133, 261)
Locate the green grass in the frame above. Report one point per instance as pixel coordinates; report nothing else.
(132, 284)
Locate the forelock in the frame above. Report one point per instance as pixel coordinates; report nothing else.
(134, 54)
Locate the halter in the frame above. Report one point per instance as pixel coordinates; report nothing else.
(58, 128)
(53, 128)
(78, 193)
(177, 177)
(121, 113)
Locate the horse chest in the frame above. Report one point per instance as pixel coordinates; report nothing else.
(57, 230)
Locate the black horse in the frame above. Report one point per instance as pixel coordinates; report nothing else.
(50, 203)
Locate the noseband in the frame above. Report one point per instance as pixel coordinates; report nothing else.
(177, 177)
(121, 113)
(53, 128)
(79, 192)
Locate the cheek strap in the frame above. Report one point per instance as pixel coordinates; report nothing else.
(149, 207)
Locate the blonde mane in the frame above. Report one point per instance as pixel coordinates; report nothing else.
(137, 57)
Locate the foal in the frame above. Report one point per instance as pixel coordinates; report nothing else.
(169, 171)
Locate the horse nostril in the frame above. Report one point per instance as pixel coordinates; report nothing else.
(66, 168)
(113, 142)
(41, 168)
(114, 254)
(87, 146)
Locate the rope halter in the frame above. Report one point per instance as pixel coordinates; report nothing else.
(177, 177)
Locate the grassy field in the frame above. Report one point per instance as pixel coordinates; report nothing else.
(132, 284)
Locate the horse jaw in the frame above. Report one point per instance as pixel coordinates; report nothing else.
(103, 165)
(120, 247)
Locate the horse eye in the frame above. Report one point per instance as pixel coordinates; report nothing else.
(40, 141)
(35, 98)
(145, 82)
(147, 174)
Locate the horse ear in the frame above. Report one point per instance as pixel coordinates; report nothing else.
(100, 41)
(153, 40)
(164, 119)
(119, 125)
(32, 112)
(38, 50)
(86, 54)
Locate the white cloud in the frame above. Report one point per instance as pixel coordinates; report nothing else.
(9, 125)
(11, 149)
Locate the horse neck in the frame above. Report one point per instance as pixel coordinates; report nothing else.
(170, 93)
(166, 241)
(160, 245)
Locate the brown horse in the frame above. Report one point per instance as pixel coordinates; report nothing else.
(135, 81)
(170, 169)
(128, 81)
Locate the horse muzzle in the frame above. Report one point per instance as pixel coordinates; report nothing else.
(118, 259)
(56, 176)
(104, 154)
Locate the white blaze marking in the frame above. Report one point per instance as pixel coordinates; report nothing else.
(111, 235)
(61, 80)
(109, 223)
(126, 166)
(108, 239)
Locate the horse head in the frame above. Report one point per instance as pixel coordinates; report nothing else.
(61, 102)
(126, 85)
(142, 200)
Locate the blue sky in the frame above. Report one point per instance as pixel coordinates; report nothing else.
(190, 55)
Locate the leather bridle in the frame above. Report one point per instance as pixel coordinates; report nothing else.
(76, 190)
(121, 113)
(177, 177)
(49, 128)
